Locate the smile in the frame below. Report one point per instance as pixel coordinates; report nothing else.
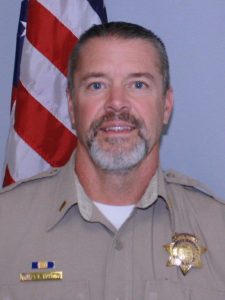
(117, 128)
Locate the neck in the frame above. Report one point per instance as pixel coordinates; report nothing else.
(115, 189)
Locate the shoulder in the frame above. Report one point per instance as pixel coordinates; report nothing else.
(190, 186)
(43, 187)
(30, 183)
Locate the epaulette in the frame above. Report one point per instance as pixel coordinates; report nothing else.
(49, 173)
(189, 183)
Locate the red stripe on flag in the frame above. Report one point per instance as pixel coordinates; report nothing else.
(41, 130)
(8, 178)
(49, 35)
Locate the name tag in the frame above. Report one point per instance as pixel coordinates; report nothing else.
(41, 276)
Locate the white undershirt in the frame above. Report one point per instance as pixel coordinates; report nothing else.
(117, 215)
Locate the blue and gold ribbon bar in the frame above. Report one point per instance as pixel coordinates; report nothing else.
(42, 264)
(41, 276)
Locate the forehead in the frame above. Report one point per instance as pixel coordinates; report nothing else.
(118, 50)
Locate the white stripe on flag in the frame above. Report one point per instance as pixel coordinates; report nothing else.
(22, 160)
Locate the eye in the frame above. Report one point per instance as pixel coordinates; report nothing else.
(139, 84)
(96, 85)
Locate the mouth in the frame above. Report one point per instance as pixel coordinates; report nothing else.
(116, 125)
(117, 128)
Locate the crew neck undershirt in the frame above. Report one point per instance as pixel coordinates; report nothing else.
(116, 214)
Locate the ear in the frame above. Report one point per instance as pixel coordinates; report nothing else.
(168, 106)
(71, 108)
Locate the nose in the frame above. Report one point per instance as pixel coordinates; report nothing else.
(117, 100)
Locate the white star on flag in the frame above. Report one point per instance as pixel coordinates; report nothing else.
(25, 28)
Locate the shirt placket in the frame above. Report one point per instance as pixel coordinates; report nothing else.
(119, 272)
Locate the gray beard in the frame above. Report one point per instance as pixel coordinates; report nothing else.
(117, 157)
(118, 160)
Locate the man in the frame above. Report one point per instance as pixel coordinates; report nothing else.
(111, 224)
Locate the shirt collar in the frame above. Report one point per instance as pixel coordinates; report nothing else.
(69, 192)
(155, 189)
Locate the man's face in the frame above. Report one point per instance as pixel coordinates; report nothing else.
(119, 105)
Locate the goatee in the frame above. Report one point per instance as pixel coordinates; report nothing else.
(119, 157)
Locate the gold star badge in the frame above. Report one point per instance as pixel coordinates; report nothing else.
(185, 252)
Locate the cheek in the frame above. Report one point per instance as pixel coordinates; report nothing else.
(152, 116)
(85, 114)
(147, 111)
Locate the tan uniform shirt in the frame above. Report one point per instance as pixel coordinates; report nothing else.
(51, 219)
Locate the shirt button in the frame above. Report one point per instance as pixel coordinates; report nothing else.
(118, 246)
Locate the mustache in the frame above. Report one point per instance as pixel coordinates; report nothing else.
(113, 116)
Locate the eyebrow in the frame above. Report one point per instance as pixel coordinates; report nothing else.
(93, 75)
(142, 74)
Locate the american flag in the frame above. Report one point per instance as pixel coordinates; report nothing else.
(41, 136)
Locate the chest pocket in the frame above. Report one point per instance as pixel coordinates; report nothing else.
(46, 290)
(166, 289)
